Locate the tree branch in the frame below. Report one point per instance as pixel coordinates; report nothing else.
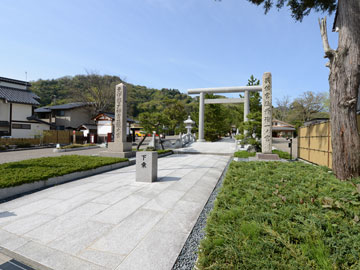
(329, 53)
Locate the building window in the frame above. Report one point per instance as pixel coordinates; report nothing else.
(60, 113)
(21, 126)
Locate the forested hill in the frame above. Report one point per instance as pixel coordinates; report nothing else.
(100, 89)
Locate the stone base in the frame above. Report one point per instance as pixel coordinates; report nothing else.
(118, 154)
(261, 156)
(119, 147)
(200, 140)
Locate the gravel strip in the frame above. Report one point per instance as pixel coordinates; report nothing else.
(188, 255)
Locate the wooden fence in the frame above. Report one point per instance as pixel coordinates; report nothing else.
(314, 143)
(48, 137)
(62, 136)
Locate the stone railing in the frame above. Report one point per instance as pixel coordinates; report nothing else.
(182, 141)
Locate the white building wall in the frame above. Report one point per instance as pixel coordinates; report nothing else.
(20, 112)
(35, 130)
(4, 111)
(104, 127)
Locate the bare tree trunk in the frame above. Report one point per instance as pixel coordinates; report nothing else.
(344, 83)
(141, 142)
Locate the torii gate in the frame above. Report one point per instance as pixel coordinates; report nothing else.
(266, 88)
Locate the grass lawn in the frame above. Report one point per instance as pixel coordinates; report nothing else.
(27, 171)
(274, 215)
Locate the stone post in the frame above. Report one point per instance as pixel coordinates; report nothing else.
(246, 105)
(120, 144)
(201, 117)
(146, 166)
(266, 132)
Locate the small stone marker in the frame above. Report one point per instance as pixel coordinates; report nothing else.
(146, 166)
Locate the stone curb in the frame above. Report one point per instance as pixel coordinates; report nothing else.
(75, 149)
(23, 259)
(6, 193)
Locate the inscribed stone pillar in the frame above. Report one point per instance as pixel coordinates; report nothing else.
(266, 132)
(120, 144)
(146, 166)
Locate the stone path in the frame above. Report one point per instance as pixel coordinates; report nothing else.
(225, 146)
(109, 221)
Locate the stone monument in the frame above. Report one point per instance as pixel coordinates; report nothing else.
(266, 122)
(146, 166)
(120, 147)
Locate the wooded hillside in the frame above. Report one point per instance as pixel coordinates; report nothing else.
(97, 88)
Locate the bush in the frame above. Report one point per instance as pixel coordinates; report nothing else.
(281, 215)
(77, 145)
(244, 154)
(281, 154)
(23, 145)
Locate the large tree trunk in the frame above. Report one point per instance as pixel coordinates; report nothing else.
(344, 83)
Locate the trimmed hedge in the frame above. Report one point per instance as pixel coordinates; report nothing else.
(32, 170)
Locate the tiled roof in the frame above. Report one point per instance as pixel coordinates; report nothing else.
(112, 116)
(42, 110)
(283, 128)
(66, 106)
(3, 79)
(18, 95)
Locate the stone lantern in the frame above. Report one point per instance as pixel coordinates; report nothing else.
(188, 124)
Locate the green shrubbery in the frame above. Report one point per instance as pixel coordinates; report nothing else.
(31, 170)
(244, 154)
(77, 145)
(281, 154)
(275, 215)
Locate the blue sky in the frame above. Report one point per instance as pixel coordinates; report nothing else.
(178, 44)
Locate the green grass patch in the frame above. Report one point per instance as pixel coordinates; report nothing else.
(159, 151)
(164, 151)
(77, 145)
(27, 171)
(281, 154)
(274, 215)
(244, 154)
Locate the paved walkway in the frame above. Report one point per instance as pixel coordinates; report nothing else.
(283, 145)
(109, 221)
(225, 146)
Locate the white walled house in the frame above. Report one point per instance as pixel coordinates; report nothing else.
(282, 129)
(17, 105)
(105, 125)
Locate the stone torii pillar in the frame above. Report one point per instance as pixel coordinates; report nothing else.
(201, 117)
(234, 89)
